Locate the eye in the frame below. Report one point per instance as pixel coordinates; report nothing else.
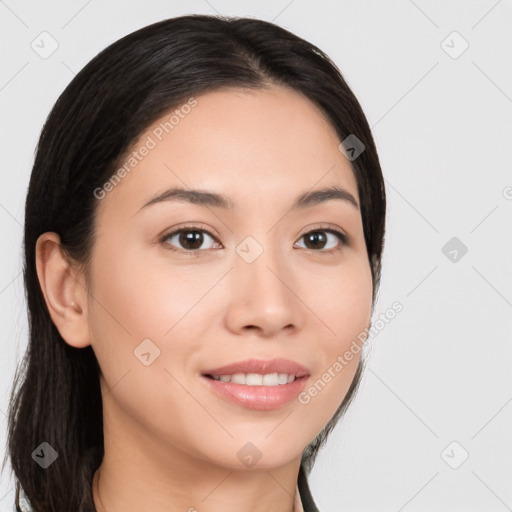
(191, 239)
(325, 239)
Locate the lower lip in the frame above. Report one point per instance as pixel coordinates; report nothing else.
(263, 398)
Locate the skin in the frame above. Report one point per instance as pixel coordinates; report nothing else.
(170, 443)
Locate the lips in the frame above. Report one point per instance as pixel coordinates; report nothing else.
(259, 366)
(239, 382)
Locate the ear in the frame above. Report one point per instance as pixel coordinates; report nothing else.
(64, 290)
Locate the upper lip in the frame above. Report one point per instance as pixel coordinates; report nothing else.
(260, 366)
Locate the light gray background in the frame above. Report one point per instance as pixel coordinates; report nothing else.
(441, 370)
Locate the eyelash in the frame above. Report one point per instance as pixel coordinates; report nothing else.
(342, 237)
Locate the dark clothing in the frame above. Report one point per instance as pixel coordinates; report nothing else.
(305, 494)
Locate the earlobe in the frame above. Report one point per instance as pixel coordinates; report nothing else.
(64, 292)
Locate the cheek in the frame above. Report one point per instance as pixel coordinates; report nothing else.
(144, 298)
(136, 299)
(342, 301)
(353, 299)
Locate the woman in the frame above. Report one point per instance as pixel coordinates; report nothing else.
(204, 228)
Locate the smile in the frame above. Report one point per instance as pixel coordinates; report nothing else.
(256, 379)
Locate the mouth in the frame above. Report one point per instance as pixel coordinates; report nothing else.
(258, 384)
(251, 369)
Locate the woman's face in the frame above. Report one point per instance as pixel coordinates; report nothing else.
(244, 282)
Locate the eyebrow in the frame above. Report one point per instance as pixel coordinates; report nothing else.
(214, 200)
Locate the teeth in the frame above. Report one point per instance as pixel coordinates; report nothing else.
(256, 379)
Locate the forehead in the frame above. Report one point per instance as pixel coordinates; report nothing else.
(251, 145)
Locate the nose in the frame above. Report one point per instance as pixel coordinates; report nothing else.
(265, 296)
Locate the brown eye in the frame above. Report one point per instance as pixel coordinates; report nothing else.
(190, 239)
(319, 240)
(315, 240)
